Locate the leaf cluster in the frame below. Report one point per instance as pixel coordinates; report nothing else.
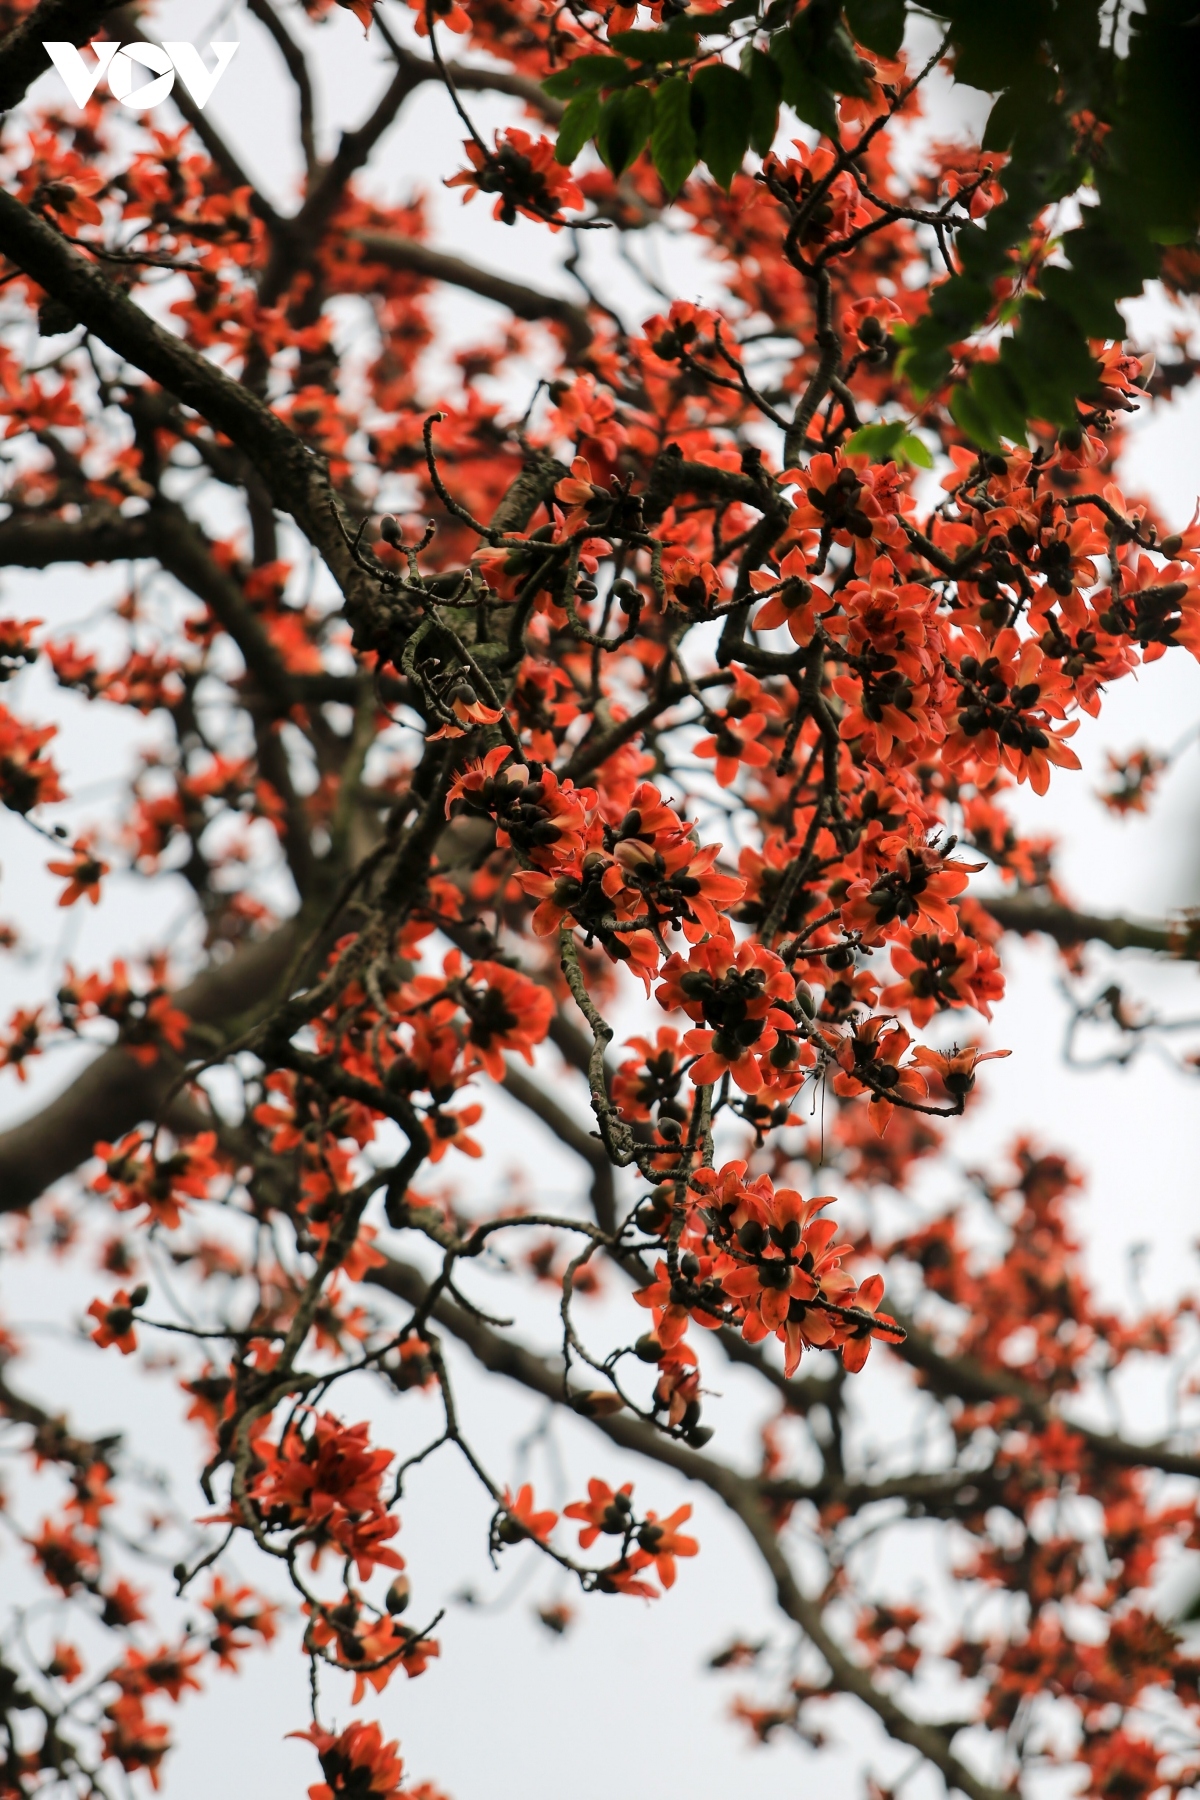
(1076, 110)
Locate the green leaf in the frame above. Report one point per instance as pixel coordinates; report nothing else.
(890, 442)
(925, 363)
(1020, 111)
(717, 23)
(835, 62)
(722, 102)
(877, 441)
(1104, 267)
(1050, 362)
(912, 449)
(1002, 402)
(959, 304)
(675, 44)
(808, 98)
(625, 121)
(580, 122)
(673, 138)
(1157, 133)
(584, 73)
(877, 24)
(996, 45)
(966, 411)
(765, 89)
(1089, 306)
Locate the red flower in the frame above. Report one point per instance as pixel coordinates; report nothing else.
(505, 1011)
(603, 1510)
(164, 1671)
(22, 1040)
(26, 778)
(325, 1486)
(663, 1541)
(856, 1344)
(364, 12)
(65, 1664)
(869, 1059)
(447, 1130)
(955, 1069)
(71, 201)
(356, 1763)
(738, 729)
(520, 1520)
(916, 891)
(114, 1321)
(83, 874)
(523, 172)
(134, 1176)
(624, 1577)
(236, 1611)
(134, 1741)
(790, 599)
(577, 491)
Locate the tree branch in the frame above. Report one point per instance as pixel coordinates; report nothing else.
(210, 137)
(52, 1440)
(22, 58)
(297, 66)
(38, 540)
(114, 1092)
(182, 550)
(498, 81)
(1067, 927)
(502, 1357)
(970, 1379)
(397, 252)
(295, 476)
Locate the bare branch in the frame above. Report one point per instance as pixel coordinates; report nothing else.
(293, 56)
(398, 252)
(1067, 927)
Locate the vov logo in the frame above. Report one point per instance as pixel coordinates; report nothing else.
(116, 61)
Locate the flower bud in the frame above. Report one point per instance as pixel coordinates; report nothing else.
(598, 1403)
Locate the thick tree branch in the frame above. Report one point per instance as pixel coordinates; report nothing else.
(181, 548)
(398, 252)
(970, 1379)
(1068, 927)
(928, 1493)
(568, 1130)
(499, 81)
(301, 234)
(37, 541)
(22, 58)
(114, 1092)
(296, 478)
